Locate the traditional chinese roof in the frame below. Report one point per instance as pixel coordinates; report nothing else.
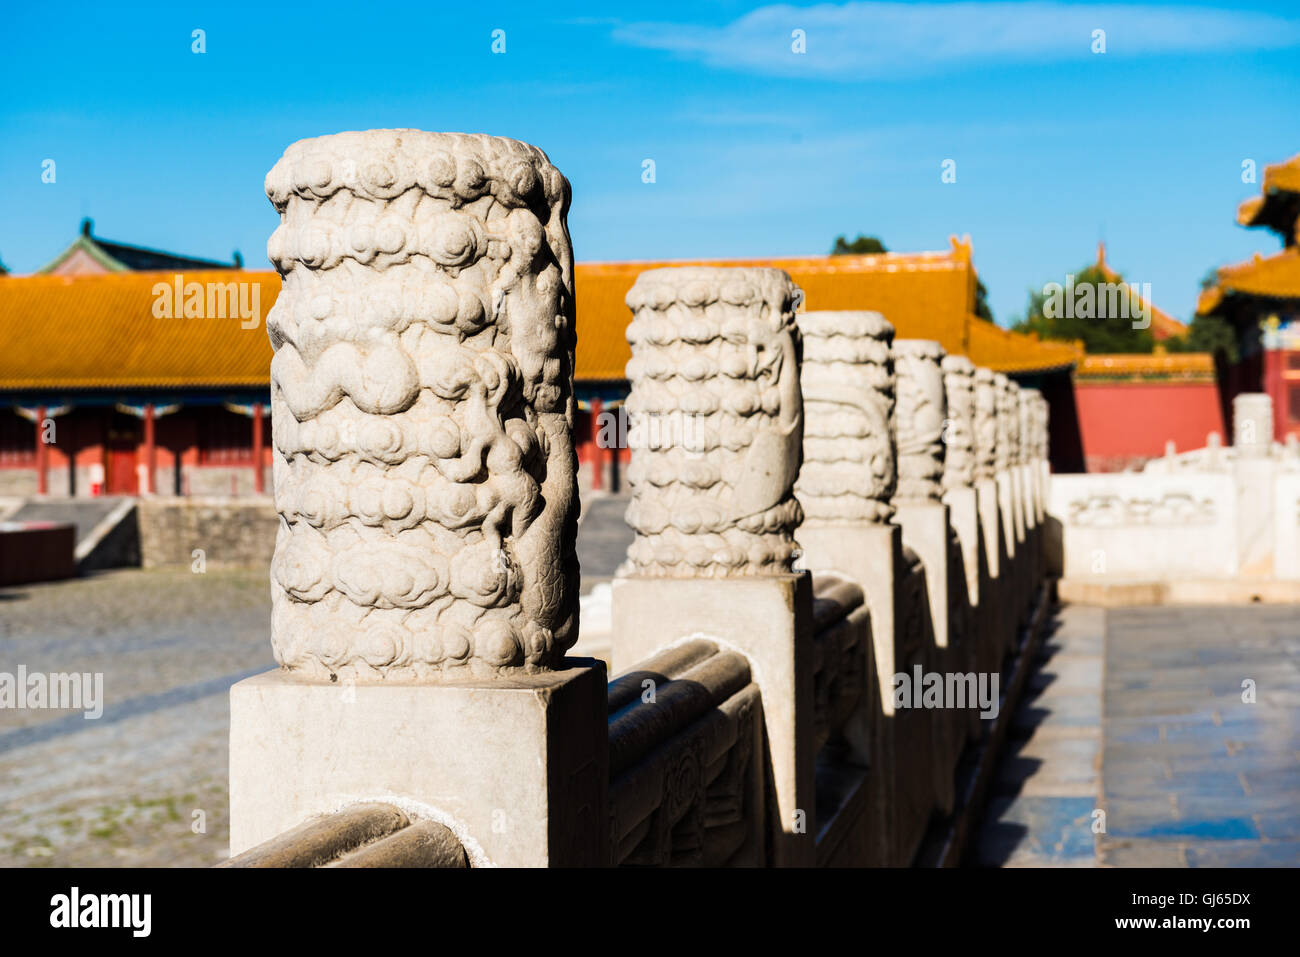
(1163, 325)
(100, 331)
(925, 295)
(1278, 205)
(1197, 366)
(91, 255)
(1262, 277)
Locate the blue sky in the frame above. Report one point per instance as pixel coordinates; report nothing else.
(759, 151)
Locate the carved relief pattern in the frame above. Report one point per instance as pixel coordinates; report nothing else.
(422, 407)
(959, 433)
(1007, 451)
(986, 423)
(716, 422)
(922, 409)
(849, 472)
(1173, 508)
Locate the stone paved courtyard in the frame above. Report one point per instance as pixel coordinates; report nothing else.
(123, 790)
(1187, 773)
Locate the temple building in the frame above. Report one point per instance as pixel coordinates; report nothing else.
(1177, 393)
(148, 372)
(1260, 298)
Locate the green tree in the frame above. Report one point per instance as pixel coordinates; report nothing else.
(1212, 334)
(860, 246)
(982, 308)
(1101, 317)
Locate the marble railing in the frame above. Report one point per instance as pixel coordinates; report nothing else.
(838, 548)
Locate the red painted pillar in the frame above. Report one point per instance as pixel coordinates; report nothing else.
(1275, 385)
(597, 453)
(150, 450)
(42, 455)
(258, 483)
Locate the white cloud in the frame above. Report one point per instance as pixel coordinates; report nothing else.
(870, 40)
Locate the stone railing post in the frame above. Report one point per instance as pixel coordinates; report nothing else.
(716, 427)
(846, 487)
(967, 617)
(1254, 468)
(1006, 453)
(424, 583)
(986, 444)
(922, 419)
(959, 465)
(918, 501)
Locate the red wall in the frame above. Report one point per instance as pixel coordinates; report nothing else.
(1125, 423)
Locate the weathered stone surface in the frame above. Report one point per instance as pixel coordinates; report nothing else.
(230, 532)
(1007, 452)
(1252, 424)
(959, 431)
(922, 409)
(716, 422)
(516, 765)
(849, 472)
(986, 423)
(422, 406)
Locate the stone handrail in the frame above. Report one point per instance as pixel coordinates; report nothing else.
(684, 757)
(810, 551)
(361, 835)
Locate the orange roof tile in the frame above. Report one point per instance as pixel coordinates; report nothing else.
(1183, 365)
(1163, 325)
(1005, 351)
(1271, 277)
(1275, 207)
(101, 332)
(926, 295)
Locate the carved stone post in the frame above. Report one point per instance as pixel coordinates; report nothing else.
(1254, 469)
(918, 501)
(424, 583)
(988, 491)
(1031, 491)
(922, 417)
(959, 465)
(716, 427)
(1011, 500)
(846, 487)
(966, 617)
(1007, 452)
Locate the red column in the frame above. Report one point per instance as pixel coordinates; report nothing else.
(258, 483)
(42, 455)
(597, 453)
(150, 450)
(1275, 385)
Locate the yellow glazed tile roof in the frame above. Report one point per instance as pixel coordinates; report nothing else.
(927, 295)
(1180, 365)
(101, 332)
(1271, 277)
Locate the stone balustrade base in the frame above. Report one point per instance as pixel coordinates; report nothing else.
(515, 766)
